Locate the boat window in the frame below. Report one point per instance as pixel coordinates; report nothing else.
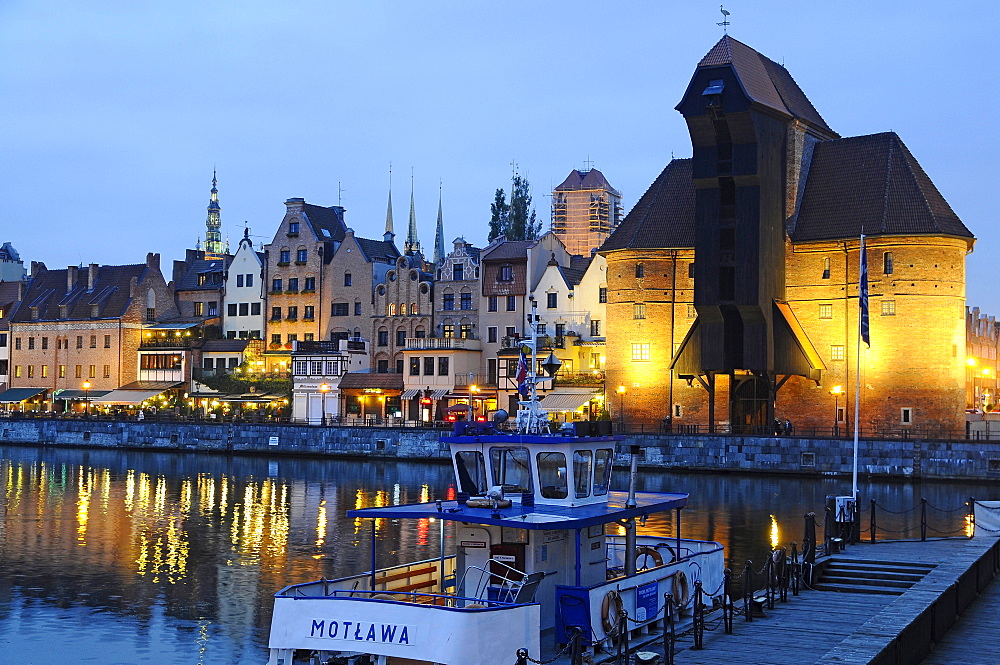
(471, 472)
(511, 469)
(581, 472)
(602, 471)
(552, 475)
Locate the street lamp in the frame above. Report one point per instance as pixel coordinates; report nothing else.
(324, 388)
(836, 391)
(473, 389)
(621, 407)
(86, 389)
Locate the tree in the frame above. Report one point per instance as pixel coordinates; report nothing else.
(500, 219)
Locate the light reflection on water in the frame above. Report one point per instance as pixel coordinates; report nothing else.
(125, 557)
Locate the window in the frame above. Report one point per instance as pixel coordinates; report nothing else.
(506, 273)
(826, 268)
(45, 371)
(17, 371)
(906, 415)
(511, 332)
(581, 472)
(640, 270)
(448, 331)
(640, 351)
(213, 308)
(443, 366)
(293, 227)
(466, 301)
(428, 366)
(414, 310)
(383, 337)
(62, 371)
(383, 367)
(392, 309)
(511, 469)
(542, 328)
(888, 308)
(31, 343)
(639, 310)
(458, 271)
(31, 371)
(255, 309)
(244, 308)
(230, 309)
(293, 313)
(595, 361)
(491, 304)
(17, 343)
(107, 371)
(400, 338)
(692, 311)
(310, 284)
(887, 266)
(239, 281)
(551, 300)
(93, 341)
(45, 342)
(293, 284)
(511, 303)
(276, 338)
(276, 285)
(107, 341)
(465, 331)
(309, 312)
(448, 301)
(339, 309)
(552, 475)
(691, 270)
(420, 333)
(471, 472)
(825, 311)
(79, 371)
(491, 334)
(399, 365)
(595, 328)
(306, 337)
(414, 366)
(602, 471)
(79, 342)
(285, 256)
(292, 337)
(347, 279)
(250, 280)
(602, 294)
(302, 256)
(92, 371)
(199, 309)
(357, 308)
(275, 313)
(202, 279)
(3, 339)
(837, 352)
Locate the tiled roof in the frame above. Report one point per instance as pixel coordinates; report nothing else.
(111, 292)
(764, 80)
(580, 262)
(663, 217)
(331, 219)
(589, 179)
(507, 250)
(225, 345)
(871, 184)
(189, 280)
(572, 276)
(377, 249)
(360, 381)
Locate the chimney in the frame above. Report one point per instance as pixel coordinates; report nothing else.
(37, 268)
(70, 278)
(153, 260)
(91, 276)
(294, 204)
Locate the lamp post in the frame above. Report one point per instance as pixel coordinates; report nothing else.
(324, 388)
(621, 407)
(86, 389)
(473, 389)
(837, 391)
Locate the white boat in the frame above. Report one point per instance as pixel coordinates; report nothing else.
(536, 565)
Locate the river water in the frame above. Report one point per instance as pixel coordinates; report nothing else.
(120, 558)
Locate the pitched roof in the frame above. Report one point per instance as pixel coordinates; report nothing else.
(586, 179)
(361, 380)
(111, 293)
(189, 280)
(872, 184)
(764, 80)
(328, 223)
(377, 249)
(225, 345)
(663, 216)
(507, 250)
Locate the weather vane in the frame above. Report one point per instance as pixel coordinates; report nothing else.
(725, 19)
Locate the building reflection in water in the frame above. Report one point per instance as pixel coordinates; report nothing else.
(182, 553)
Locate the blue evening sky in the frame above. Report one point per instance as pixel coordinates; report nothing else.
(113, 113)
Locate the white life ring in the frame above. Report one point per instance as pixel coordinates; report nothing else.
(681, 589)
(611, 609)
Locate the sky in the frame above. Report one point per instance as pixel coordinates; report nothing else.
(113, 114)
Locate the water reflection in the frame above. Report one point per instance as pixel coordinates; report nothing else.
(124, 557)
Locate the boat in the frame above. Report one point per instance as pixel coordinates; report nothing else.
(546, 555)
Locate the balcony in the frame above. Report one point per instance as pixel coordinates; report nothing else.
(463, 381)
(580, 379)
(170, 342)
(443, 343)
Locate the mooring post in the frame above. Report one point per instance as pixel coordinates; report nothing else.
(669, 634)
(576, 651)
(522, 657)
(727, 601)
(873, 525)
(796, 571)
(923, 519)
(699, 616)
(747, 590)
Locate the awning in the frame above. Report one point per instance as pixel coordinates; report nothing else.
(410, 393)
(247, 398)
(438, 394)
(566, 401)
(126, 396)
(73, 393)
(159, 386)
(15, 395)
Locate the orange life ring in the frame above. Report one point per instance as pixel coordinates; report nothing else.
(611, 609)
(681, 588)
(647, 551)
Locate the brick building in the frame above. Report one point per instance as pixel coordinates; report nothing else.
(733, 283)
(358, 266)
(403, 309)
(585, 210)
(982, 360)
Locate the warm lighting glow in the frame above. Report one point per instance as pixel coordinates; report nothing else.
(774, 533)
(971, 362)
(986, 371)
(86, 385)
(324, 388)
(621, 390)
(837, 390)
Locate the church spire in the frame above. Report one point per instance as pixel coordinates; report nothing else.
(389, 232)
(439, 231)
(213, 234)
(412, 244)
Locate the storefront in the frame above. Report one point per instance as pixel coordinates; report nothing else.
(372, 399)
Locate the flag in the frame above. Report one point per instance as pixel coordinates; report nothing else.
(863, 295)
(522, 374)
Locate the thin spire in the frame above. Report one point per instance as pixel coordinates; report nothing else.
(439, 231)
(388, 213)
(412, 244)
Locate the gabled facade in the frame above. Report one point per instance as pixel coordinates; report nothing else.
(357, 267)
(200, 285)
(243, 298)
(11, 265)
(403, 309)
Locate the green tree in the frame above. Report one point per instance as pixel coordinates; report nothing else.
(522, 225)
(500, 219)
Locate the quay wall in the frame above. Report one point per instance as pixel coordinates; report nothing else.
(896, 458)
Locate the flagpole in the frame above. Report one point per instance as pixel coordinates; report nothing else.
(862, 324)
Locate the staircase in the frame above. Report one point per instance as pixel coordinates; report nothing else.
(869, 576)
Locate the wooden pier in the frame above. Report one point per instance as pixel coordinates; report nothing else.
(930, 622)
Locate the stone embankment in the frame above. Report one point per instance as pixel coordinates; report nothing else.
(906, 458)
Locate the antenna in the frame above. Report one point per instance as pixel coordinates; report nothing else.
(725, 20)
(589, 164)
(340, 194)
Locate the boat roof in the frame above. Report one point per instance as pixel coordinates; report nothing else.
(534, 517)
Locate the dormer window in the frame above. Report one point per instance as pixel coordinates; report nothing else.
(63, 311)
(95, 311)
(293, 227)
(506, 273)
(34, 313)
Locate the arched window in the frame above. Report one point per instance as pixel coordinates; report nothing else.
(414, 310)
(826, 268)
(392, 309)
(402, 309)
(150, 305)
(887, 263)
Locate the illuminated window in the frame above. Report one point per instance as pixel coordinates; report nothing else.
(692, 312)
(888, 308)
(825, 311)
(107, 371)
(639, 310)
(79, 371)
(45, 371)
(92, 371)
(837, 352)
(62, 371)
(199, 309)
(640, 352)
(826, 268)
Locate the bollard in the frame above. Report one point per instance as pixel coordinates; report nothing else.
(727, 601)
(699, 616)
(623, 637)
(796, 570)
(576, 647)
(747, 591)
(669, 629)
(872, 526)
(769, 584)
(923, 519)
(522, 657)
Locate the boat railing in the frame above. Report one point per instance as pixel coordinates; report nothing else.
(500, 581)
(652, 551)
(420, 576)
(313, 591)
